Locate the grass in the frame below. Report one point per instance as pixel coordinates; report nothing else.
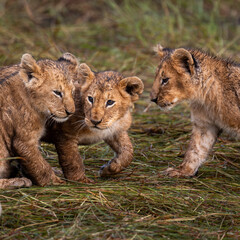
(139, 203)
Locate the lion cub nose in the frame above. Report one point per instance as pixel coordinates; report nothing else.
(95, 122)
(154, 100)
(68, 113)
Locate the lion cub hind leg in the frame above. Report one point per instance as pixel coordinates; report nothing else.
(202, 140)
(123, 148)
(13, 183)
(6, 169)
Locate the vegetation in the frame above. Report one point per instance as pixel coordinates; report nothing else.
(139, 203)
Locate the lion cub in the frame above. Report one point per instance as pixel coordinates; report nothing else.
(212, 86)
(31, 93)
(103, 101)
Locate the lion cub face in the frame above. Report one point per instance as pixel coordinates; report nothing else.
(50, 89)
(107, 96)
(173, 81)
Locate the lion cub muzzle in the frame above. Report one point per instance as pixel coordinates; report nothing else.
(154, 100)
(95, 122)
(67, 110)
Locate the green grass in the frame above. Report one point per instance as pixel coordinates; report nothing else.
(139, 203)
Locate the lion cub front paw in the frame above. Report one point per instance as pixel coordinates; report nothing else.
(79, 177)
(55, 180)
(179, 172)
(109, 169)
(86, 180)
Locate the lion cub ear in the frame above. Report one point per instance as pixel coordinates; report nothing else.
(183, 61)
(133, 86)
(71, 59)
(29, 67)
(86, 75)
(161, 51)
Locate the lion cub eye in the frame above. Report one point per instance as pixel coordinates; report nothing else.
(110, 103)
(57, 93)
(90, 99)
(165, 81)
(30, 76)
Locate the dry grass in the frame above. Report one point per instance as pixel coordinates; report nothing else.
(139, 203)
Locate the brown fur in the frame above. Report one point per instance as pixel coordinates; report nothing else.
(96, 121)
(29, 94)
(212, 86)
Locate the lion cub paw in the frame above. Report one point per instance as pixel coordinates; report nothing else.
(84, 179)
(14, 183)
(109, 169)
(179, 172)
(56, 180)
(104, 171)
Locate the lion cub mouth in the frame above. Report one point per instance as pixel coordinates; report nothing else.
(93, 126)
(59, 119)
(166, 105)
(98, 128)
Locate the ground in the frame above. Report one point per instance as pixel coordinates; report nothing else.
(139, 203)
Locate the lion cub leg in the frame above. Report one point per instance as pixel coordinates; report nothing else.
(34, 165)
(6, 169)
(121, 144)
(71, 161)
(6, 172)
(202, 140)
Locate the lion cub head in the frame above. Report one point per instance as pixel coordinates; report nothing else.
(174, 77)
(49, 86)
(107, 96)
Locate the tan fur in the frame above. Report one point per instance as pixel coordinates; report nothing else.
(96, 120)
(29, 95)
(212, 86)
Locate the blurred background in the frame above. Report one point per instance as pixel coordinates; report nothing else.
(117, 35)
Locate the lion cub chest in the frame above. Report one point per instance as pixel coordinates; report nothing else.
(94, 135)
